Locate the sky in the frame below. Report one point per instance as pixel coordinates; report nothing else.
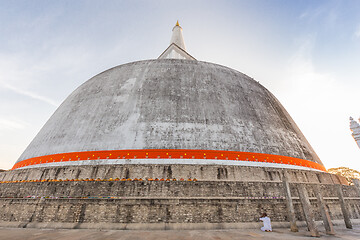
(307, 53)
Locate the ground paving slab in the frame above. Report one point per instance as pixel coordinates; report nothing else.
(228, 234)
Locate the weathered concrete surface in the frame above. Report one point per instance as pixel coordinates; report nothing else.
(323, 208)
(229, 234)
(344, 207)
(289, 203)
(171, 104)
(307, 210)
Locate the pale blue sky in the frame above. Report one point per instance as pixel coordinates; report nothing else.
(305, 52)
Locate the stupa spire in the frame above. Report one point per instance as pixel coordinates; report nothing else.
(177, 36)
(177, 47)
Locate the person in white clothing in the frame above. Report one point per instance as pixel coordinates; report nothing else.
(267, 223)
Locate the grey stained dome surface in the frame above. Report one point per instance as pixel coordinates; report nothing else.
(171, 104)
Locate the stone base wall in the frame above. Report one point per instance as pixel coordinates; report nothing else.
(161, 202)
(163, 189)
(141, 210)
(219, 202)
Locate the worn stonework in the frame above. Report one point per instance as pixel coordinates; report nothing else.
(223, 196)
(200, 172)
(211, 202)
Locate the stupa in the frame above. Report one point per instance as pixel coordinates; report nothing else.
(171, 143)
(173, 110)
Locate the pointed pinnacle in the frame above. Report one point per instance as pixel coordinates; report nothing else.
(177, 23)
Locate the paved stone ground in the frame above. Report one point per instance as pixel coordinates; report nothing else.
(90, 234)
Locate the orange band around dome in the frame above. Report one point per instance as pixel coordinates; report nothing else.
(168, 154)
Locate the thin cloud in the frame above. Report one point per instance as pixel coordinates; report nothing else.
(326, 14)
(312, 14)
(30, 94)
(6, 124)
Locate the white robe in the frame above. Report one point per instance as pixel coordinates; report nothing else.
(267, 224)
